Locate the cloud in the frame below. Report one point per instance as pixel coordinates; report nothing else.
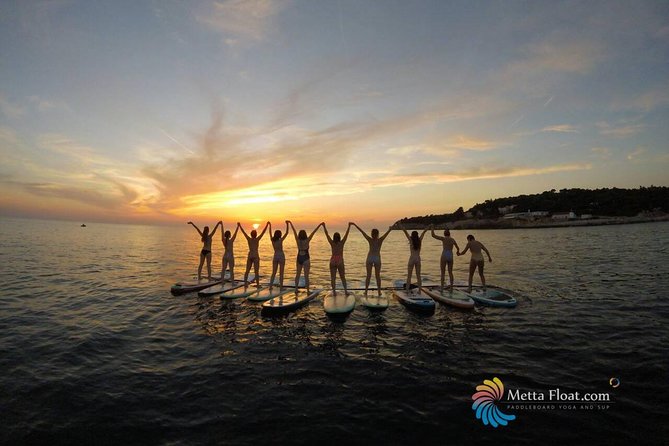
(242, 20)
(10, 109)
(619, 131)
(636, 154)
(601, 152)
(562, 128)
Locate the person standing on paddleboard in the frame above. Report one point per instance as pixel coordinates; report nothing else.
(415, 242)
(374, 255)
(446, 255)
(476, 261)
(228, 255)
(279, 259)
(303, 253)
(337, 259)
(253, 258)
(205, 252)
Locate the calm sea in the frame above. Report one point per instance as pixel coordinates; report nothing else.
(95, 350)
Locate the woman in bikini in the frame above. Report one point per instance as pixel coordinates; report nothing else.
(374, 255)
(476, 261)
(337, 259)
(415, 242)
(228, 254)
(253, 258)
(205, 252)
(446, 255)
(303, 253)
(279, 259)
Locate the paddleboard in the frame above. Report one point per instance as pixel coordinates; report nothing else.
(239, 292)
(338, 304)
(413, 298)
(220, 288)
(374, 302)
(189, 287)
(265, 294)
(455, 298)
(290, 283)
(493, 298)
(289, 301)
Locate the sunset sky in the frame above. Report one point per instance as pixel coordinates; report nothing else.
(168, 111)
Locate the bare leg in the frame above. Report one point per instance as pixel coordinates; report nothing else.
(481, 274)
(368, 265)
(275, 265)
(297, 275)
(282, 264)
(307, 264)
(231, 267)
(256, 269)
(209, 266)
(450, 273)
(333, 277)
(409, 274)
(442, 264)
(420, 283)
(199, 268)
(377, 271)
(472, 268)
(249, 262)
(342, 275)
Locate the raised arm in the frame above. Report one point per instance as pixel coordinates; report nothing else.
(216, 227)
(327, 235)
(361, 231)
(316, 230)
(406, 234)
(234, 236)
(264, 230)
(285, 234)
(196, 228)
(243, 231)
(288, 222)
(435, 235)
(383, 237)
(346, 235)
(423, 234)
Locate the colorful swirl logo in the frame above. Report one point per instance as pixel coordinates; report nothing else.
(484, 403)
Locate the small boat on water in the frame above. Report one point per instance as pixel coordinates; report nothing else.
(83, 225)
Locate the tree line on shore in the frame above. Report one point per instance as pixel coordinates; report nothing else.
(613, 202)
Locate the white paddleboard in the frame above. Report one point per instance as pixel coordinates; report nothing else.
(413, 298)
(339, 303)
(374, 302)
(220, 288)
(239, 292)
(455, 298)
(188, 287)
(289, 301)
(265, 294)
(493, 298)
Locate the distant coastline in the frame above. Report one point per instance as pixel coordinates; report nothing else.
(502, 223)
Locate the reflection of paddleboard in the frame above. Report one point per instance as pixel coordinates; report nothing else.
(220, 288)
(241, 291)
(265, 294)
(413, 298)
(374, 302)
(493, 298)
(289, 301)
(188, 287)
(455, 298)
(338, 303)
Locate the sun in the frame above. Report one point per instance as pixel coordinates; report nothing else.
(256, 225)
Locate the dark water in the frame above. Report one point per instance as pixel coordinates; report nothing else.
(95, 350)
